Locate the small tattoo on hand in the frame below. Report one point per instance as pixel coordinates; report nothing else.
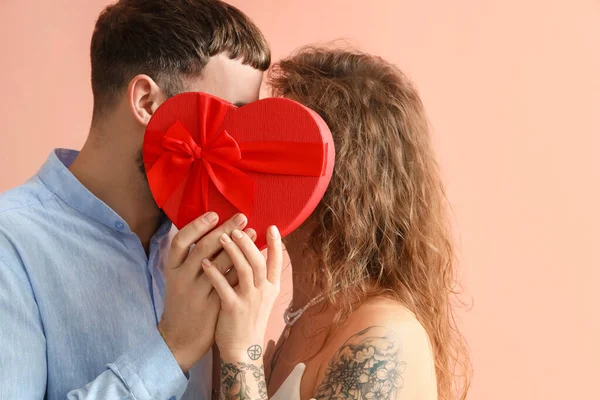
(254, 352)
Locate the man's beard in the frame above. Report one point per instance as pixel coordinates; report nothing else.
(139, 161)
(140, 164)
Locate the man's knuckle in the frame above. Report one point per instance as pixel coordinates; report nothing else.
(201, 248)
(179, 242)
(200, 224)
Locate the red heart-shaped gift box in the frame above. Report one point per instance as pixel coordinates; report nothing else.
(271, 160)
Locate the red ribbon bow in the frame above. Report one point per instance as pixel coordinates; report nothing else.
(219, 159)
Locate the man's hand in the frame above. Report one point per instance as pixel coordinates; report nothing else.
(191, 304)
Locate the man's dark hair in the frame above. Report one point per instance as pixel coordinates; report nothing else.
(167, 40)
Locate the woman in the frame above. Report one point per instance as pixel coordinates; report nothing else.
(373, 271)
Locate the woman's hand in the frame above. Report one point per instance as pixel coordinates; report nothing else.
(245, 310)
(191, 305)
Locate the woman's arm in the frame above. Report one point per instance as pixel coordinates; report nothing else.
(383, 353)
(245, 310)
(243, 378)
(368, 366)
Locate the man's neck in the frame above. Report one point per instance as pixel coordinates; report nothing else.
(110, 171)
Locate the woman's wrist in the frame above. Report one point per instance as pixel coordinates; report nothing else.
(244, 353)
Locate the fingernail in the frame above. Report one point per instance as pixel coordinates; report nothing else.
(237, 234)
(274, 232)
(239, 219)
(206, 263)
(225, 238)
(211, 217)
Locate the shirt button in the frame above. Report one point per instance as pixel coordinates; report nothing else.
(172, 398)
(120, 226)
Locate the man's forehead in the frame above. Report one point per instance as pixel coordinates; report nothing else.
(228, 79)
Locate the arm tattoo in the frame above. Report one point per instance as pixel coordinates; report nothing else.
(365, 367)
(233, 381)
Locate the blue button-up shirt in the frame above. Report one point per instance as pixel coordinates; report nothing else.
(80, 300)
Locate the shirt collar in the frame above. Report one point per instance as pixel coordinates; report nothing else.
(56, 176)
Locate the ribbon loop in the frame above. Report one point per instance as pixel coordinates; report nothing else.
(183, 159)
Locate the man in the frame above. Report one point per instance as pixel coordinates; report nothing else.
(82, 289)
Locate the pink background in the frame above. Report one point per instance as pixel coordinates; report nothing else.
(513, 93)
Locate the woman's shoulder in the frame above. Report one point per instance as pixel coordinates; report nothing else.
(383, 309)
(382, 314)
(384, 349)
(390, 313)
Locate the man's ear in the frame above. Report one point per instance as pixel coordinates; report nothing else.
(144, 97)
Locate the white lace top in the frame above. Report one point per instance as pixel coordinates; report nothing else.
(290, 388)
